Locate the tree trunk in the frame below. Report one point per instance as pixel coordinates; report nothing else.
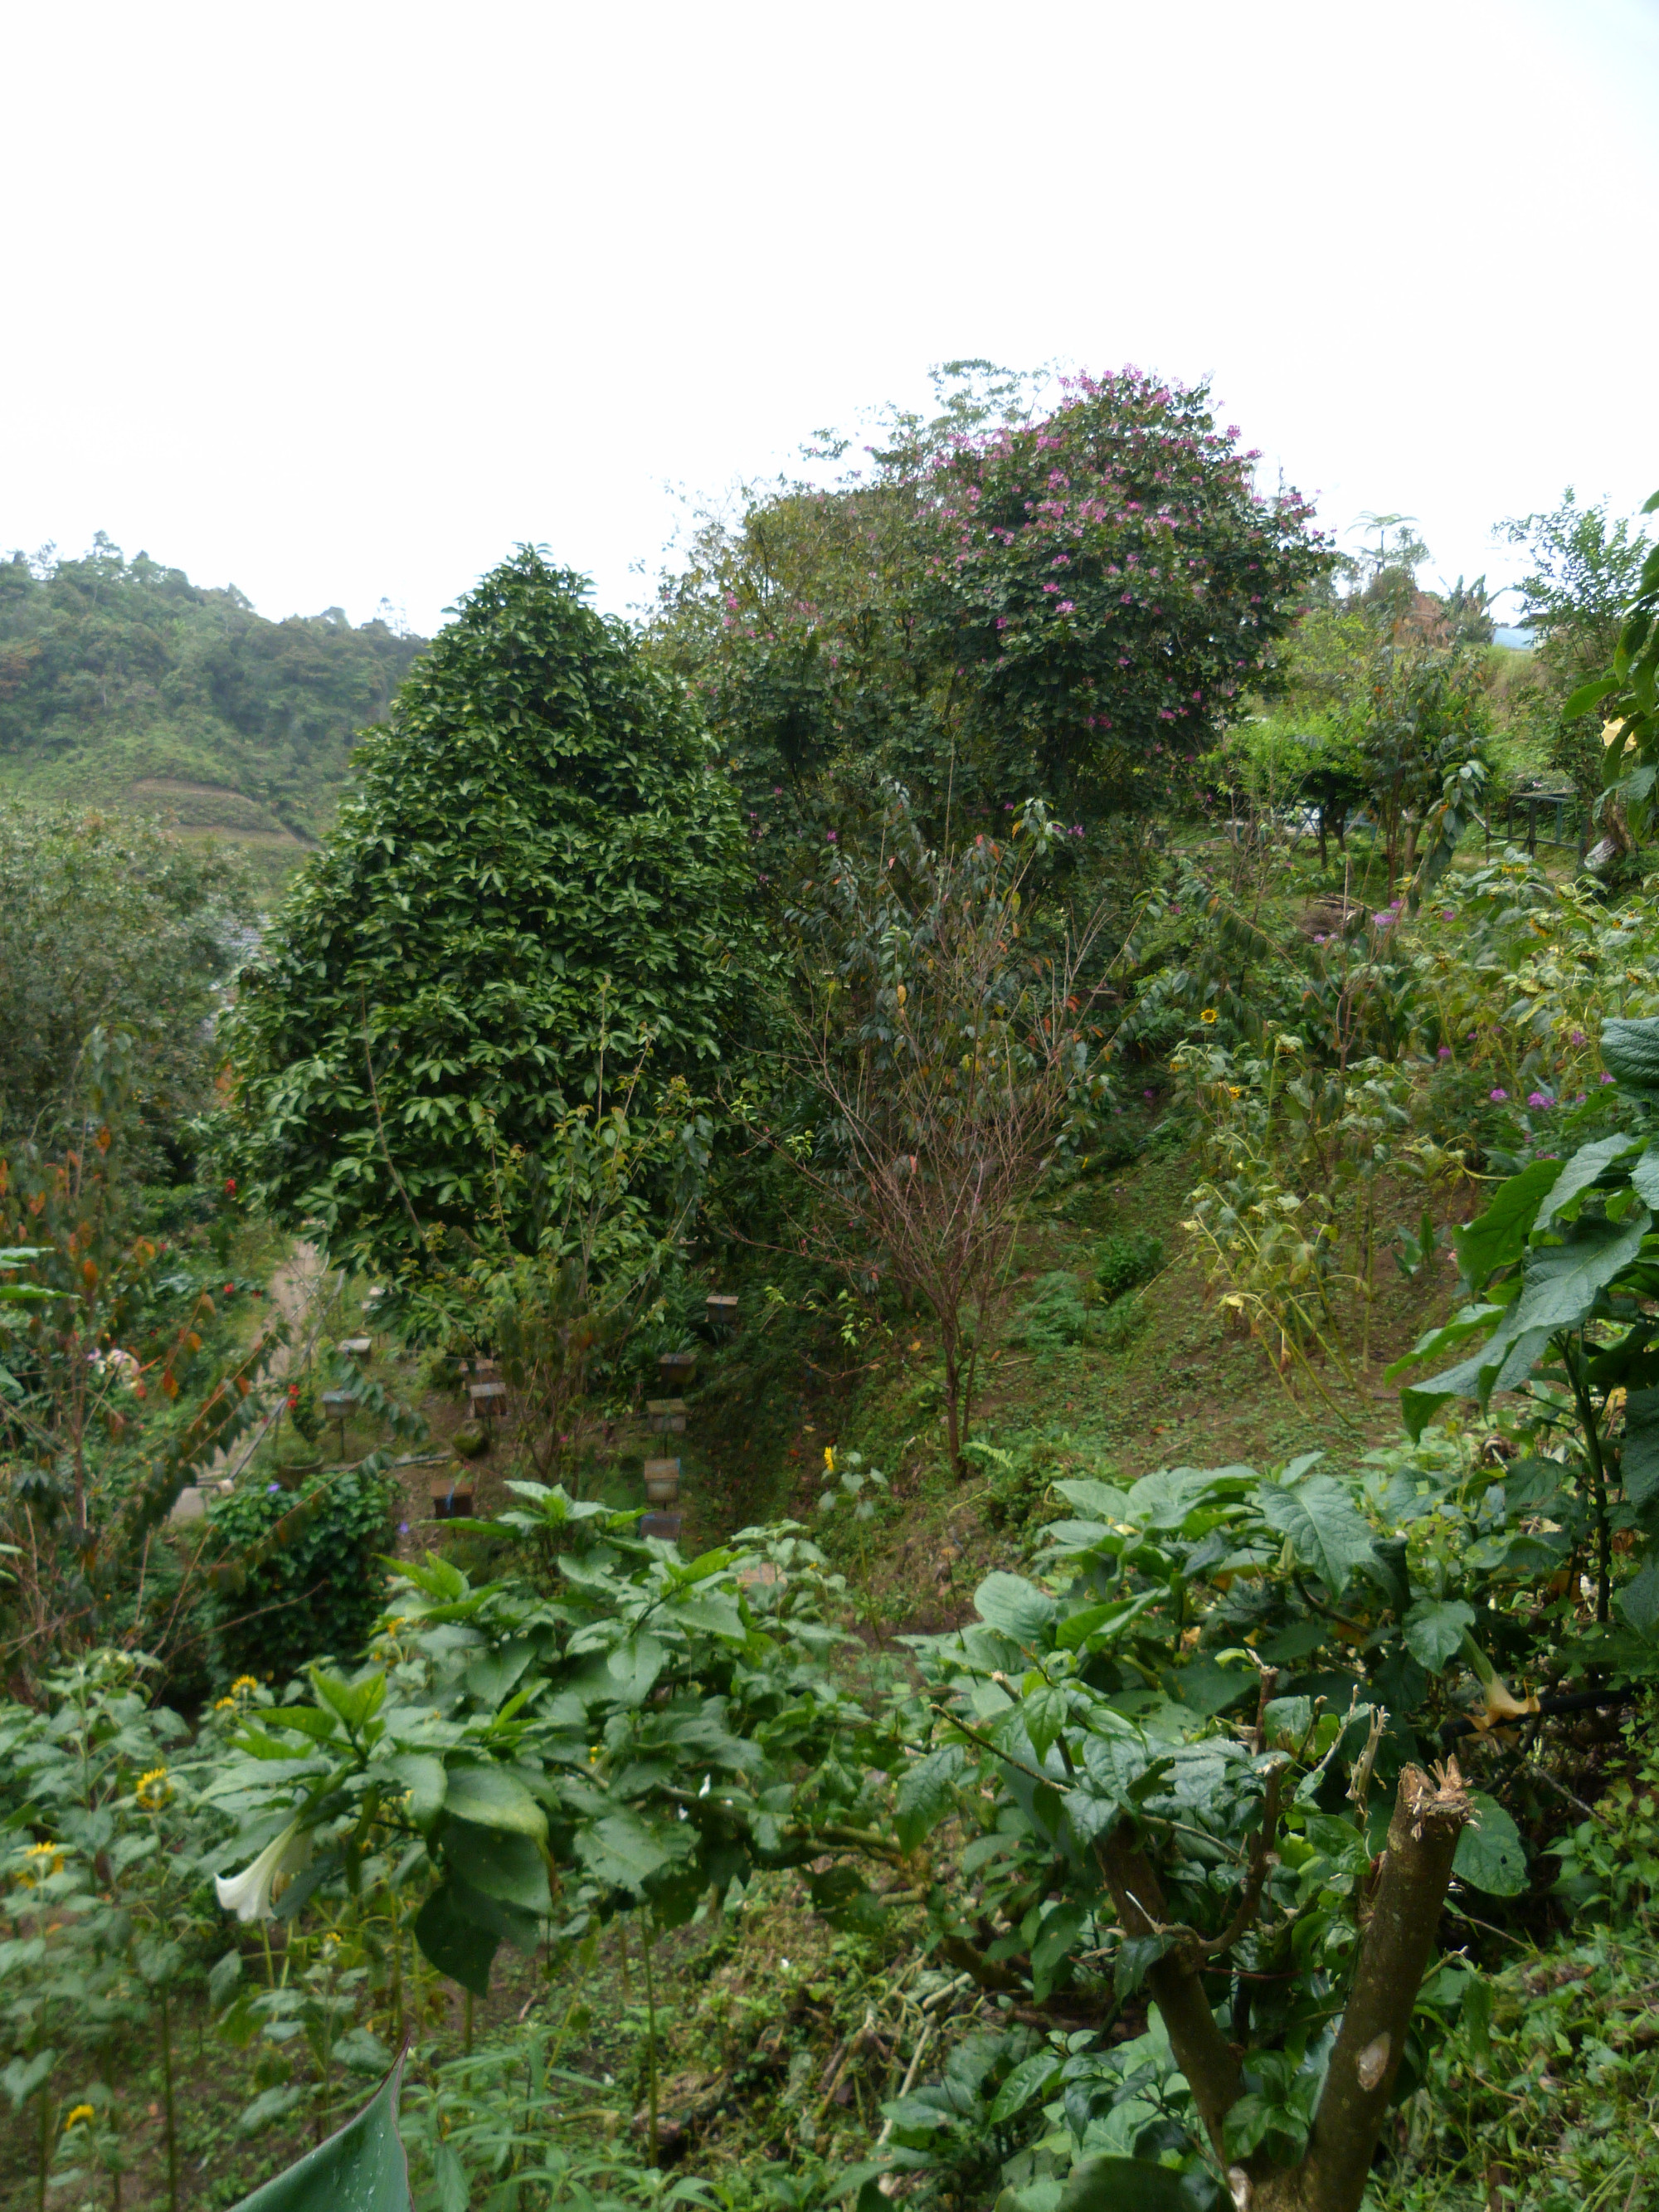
(1410, 1888)
(952, 1402)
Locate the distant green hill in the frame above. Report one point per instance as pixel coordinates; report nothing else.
(123, 684)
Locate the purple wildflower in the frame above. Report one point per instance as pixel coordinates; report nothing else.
(1575, 1036)
(1539, 1099)
(1498, 1096)
(1606, 1077)
(1445, 1053)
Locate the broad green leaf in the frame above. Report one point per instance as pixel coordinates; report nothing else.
(712, 1612)
(304, 1719)
(1639, 1601)
(450, 2175)
(1498, 1237)
(1032, 2077)
(456, 1945)
(1043, 1712)
(224, 1982)
(1638, 1457)
(1492, 1855)
(1325, 1529)
(1016, 1610)
(354, 1702)
(1123, 2185)
(634, 1668)
(1210, 1689)
(362, 2051)
(621, 1849)
(498, 1863)
(1502, 1364)
(1630, 1052)
(1563, 1281)
(1061, 1926)
(490, 1798)
(270, 2104)
(1467, 1322)
(1580, 1174)
(1588, 695)
(926, 1795)
(423, 1780)
(491, 1677)
(1164, 1498)
(1287, 1722)
(1435, 1628)
(23, 2076)
(361, 2169)
(1097, 1624)
(1101, 1500)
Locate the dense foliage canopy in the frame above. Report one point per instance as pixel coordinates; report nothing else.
(1070, 604)
(541, 870)
(107, 923)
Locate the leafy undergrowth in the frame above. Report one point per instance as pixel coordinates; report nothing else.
(778, 2040)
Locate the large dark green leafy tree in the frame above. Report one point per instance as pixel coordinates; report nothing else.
(541, 876)
(111, 927)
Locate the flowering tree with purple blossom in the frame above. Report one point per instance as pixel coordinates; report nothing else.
(995, 601)
(1104, 584)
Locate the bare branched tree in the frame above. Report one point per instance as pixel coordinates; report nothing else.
(952, 1045)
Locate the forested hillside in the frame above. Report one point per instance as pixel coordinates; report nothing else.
(874, 1418)
(123, 683)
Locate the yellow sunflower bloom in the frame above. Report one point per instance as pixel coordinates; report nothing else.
(1208, 1015)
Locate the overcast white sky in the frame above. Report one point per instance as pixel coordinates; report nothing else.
(342, 301)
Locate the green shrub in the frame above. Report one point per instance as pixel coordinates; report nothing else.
(318, 1591)
(1127, 1261)
(1054, 1316)
(1122, 1321)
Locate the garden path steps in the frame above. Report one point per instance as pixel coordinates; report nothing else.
(294, 1290)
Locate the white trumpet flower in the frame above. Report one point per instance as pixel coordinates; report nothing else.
(248, 1895)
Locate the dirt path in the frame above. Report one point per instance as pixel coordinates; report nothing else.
(295, 1289)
